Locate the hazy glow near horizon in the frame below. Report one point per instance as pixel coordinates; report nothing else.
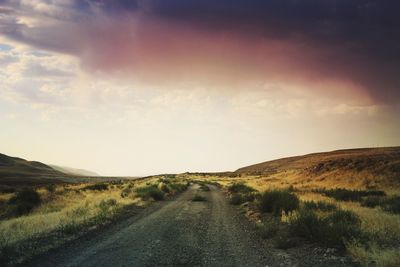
(131, 90)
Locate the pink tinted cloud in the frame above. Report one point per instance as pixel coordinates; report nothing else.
(164, 53)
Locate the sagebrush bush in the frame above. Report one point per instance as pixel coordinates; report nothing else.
(236, 199)
(342, 225)
(98, 187)
(349, 195)
(164, 187)
(319, 205)
(371, 201)
(51, 188)
(391, 204)
(150, 191)
(177, 187)
(268, 229)
(126, 192)
(106, 210)
(24, 201)
(333, 230)
(278, 201)
(240, 188)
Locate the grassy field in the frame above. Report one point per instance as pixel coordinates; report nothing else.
(67, 211)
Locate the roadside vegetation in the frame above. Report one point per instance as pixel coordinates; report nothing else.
(32, 220)
(362, 223)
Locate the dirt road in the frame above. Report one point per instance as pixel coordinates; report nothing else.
(177, 232)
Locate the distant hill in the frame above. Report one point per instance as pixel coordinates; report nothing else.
(73, 171)
(20, 173)
(15, 170)
(353, 168)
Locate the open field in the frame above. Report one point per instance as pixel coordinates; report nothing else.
(286, 207)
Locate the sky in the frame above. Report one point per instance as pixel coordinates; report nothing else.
(129, 88)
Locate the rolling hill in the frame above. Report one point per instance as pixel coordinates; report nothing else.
(15, 170)
(352, 168)
(73, 171)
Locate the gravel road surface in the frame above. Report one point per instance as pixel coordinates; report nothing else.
(174, 233)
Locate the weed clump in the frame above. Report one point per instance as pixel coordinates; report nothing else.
(24, 201)
(278, 201)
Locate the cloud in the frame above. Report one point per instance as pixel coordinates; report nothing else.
(338, 48)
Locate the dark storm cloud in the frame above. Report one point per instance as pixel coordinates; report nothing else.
(357, 41)
(360, 39)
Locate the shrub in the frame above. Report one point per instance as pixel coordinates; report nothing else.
(319, 205)
(164, 187)
(51, 188)
(349, 195)
(150, 191)
(236, 199)
(106, 210)
(342, 225)
(306, 223)
(177, 187)
(392, 204)
(371, 201)
(126, 192)
(268, 229)
(98, 187)
(240, 188)
(277, 201)
(332, 230)
(24, 201)
(105, 204)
